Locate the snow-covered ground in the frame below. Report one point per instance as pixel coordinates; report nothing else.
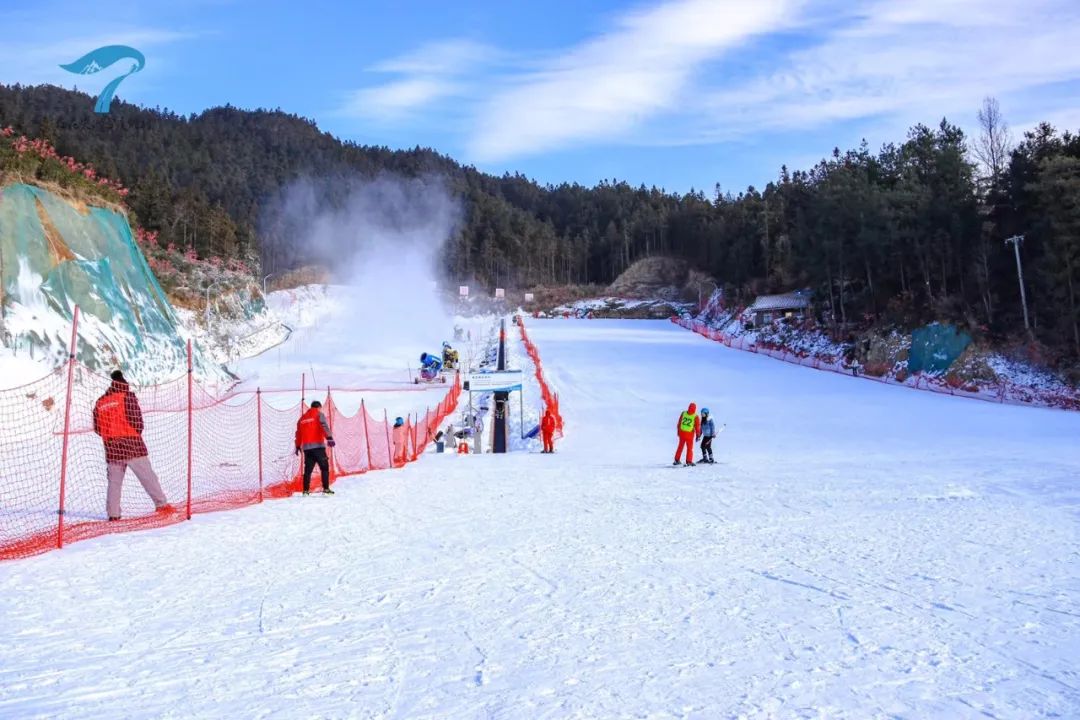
(334, 341)
(620, 306)
(859, 551)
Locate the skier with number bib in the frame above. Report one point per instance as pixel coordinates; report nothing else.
(689, 428)
(708, 432)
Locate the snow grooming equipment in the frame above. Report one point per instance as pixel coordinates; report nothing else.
(431, 369)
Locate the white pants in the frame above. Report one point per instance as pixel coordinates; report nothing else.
(146, 475)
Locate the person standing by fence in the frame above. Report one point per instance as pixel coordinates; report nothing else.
(312, 438)
(118, 420)
(547, 431)
(398, 432)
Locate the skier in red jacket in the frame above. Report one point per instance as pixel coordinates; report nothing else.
(547, 431)
(689, 429)
(312, 438)
(118, 420)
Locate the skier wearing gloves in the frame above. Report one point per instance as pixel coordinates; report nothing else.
(708, 432)
(689, 428)
(312, 438)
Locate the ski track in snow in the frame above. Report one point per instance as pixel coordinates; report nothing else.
(858, 551)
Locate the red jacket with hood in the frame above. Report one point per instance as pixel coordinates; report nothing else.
(691, 410)
(118, 420)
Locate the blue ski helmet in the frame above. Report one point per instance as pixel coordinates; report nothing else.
(399, 421)
(423, 357)
(704, 411)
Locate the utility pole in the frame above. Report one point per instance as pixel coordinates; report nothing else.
(1016, 240)
(499, 432)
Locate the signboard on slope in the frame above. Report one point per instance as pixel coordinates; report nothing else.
(463, 290)
(504, 380)
(529, 297)
(500, 293)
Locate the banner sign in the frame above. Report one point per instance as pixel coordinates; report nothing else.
(500, 293)
(505, 380)
(463, 291)
(529, 297)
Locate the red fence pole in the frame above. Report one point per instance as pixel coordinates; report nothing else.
(67, 428)
(303, 391)
(190, 428)
(329, 450)
(367, 436)
(258, 413)
(416, 422)
(389, 442)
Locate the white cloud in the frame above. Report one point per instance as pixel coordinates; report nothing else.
(611, 84)
(430, 73)
(692, 72)
(912, 61)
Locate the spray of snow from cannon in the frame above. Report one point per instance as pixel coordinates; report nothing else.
(382, 240)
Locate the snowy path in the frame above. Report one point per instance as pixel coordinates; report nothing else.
(860, 551)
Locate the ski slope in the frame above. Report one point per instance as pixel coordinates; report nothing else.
(859, 551)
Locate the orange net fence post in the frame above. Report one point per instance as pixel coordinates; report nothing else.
(367, 434)
(67, 427)
(259, 435)
(190, 429)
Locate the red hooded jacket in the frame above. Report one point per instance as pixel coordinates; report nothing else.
(688, 417)
(547, 425)
(118, 420)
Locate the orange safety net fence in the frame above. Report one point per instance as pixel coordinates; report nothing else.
(181, 451)
(551, 399)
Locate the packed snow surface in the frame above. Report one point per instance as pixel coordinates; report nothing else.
(858, 551)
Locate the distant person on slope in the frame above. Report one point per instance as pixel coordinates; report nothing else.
(312, 438)
(450, 356)
(708, 432)
(118, 420)
(689, 428)
(398, 434)
(547, 431)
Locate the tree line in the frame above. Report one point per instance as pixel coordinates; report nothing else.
(912, 232)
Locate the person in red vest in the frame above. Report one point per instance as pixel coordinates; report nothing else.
(689, 428)
(312, 438)
(118, 420)
(547, 431)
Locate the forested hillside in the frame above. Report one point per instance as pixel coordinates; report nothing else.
(908, 233)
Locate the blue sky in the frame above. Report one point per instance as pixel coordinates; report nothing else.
(673, 93)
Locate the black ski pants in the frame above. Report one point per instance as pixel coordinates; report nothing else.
(313, 457)
(706, 448)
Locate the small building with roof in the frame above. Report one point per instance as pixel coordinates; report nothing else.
(767, 308)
